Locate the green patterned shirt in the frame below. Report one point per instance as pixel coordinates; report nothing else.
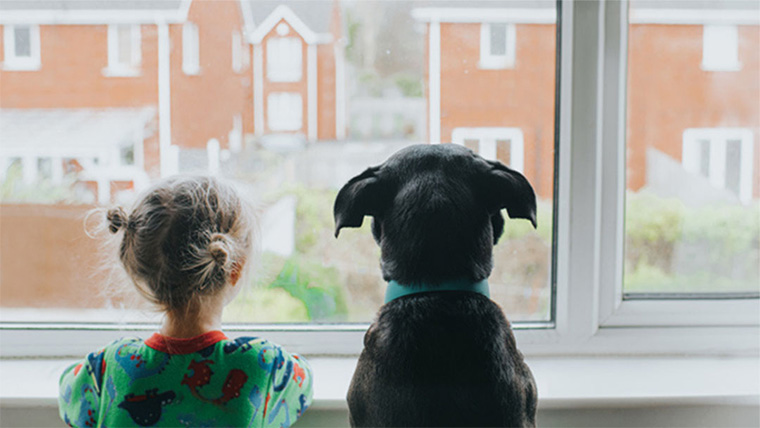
(207, 380)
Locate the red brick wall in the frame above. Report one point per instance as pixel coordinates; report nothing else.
(326, 92)
(521, 97)
(668, 92)
(71, 75)
(40, 269)
(203, 105)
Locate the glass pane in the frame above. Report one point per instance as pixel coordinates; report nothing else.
(125, 44)
(692, 212)
(360, 94)
(498, 39)
(23, 41)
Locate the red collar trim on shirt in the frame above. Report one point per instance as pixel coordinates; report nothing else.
(175, 345)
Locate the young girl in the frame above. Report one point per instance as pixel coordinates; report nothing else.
(184, 245)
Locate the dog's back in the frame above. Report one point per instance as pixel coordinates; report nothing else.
(441, 359)
(438, 358)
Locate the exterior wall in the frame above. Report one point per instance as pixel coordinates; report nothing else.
(71, 74)
(203, 105)
(326, 92)
(521, 97)
(40, 238)
(708, 98)
(300, 86)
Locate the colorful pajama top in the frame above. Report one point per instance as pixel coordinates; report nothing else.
(203, 381)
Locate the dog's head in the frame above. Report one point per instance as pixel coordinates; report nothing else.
(436, 211)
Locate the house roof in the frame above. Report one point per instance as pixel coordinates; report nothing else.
(70, 132)
(316, 14)
(92, 11)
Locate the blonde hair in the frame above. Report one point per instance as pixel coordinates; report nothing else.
(183, 239)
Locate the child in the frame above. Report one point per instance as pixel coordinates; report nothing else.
(184, 246)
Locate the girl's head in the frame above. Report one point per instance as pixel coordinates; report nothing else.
(185, 240)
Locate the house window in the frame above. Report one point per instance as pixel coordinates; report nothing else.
(284, 59)
(190, 48)
(497, 45)
(22, 47)
(720, 48)
(502, 144)
(723, 156)
(124, 50)
(284, 111)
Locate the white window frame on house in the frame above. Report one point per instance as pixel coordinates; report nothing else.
(720, 47)
(718, 138)
(14, 62)
(490, 61)
(488, 137)
(284, 59)
(115, 67)
(239, 54)
(284, 111)
(591, 313)
(191, 54)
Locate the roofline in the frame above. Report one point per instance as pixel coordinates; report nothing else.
(549, 16)
(694, 16)
(245, 11)
(284, 12)
(90, 17)
(464, 15)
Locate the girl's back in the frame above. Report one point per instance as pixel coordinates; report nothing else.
(208, 380)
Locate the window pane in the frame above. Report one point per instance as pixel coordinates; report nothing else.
(692, 213)
(322, 98)
(498, 39)
(23, 41)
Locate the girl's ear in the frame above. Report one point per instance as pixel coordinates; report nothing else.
(364, 194)
(237, 269)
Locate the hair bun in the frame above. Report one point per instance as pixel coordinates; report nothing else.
(218, 248)
(117, 219)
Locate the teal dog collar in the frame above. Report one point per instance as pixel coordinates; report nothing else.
(396, 290)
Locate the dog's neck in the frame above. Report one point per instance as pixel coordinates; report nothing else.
(396, 290)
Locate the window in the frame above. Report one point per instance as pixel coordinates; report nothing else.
(601, 125)
(124, 50)
(240, 58)
(284, 59)
(497, 45)
(723, 156)
(720, 48)
(190, 48)
(22, 47)
(284, 111)
(502, 144)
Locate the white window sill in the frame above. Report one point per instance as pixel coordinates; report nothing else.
(10, 66)
(121, 72)
(191, 71)
(562, 382)
(721, 67)
(495, 64)
(284, 79)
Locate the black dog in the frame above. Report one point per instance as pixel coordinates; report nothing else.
(438, 358)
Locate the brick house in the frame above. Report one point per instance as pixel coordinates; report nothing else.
(490, 81)
(118, 90)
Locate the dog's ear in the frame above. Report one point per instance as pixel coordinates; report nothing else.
(363, 195)
(504, 187)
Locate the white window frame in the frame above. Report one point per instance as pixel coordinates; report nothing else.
(591, 316)
(13, 62)
(487, 138)
(276, 72)
(191, 50)
(690, 156)
(284, 119)
(238, 52)
(489, 61)
(116, 68)
(720, 56)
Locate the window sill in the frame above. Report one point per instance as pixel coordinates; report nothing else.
(721, 67)
(21, 67)
(495, 64)
(563, 383)
(121, 72)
